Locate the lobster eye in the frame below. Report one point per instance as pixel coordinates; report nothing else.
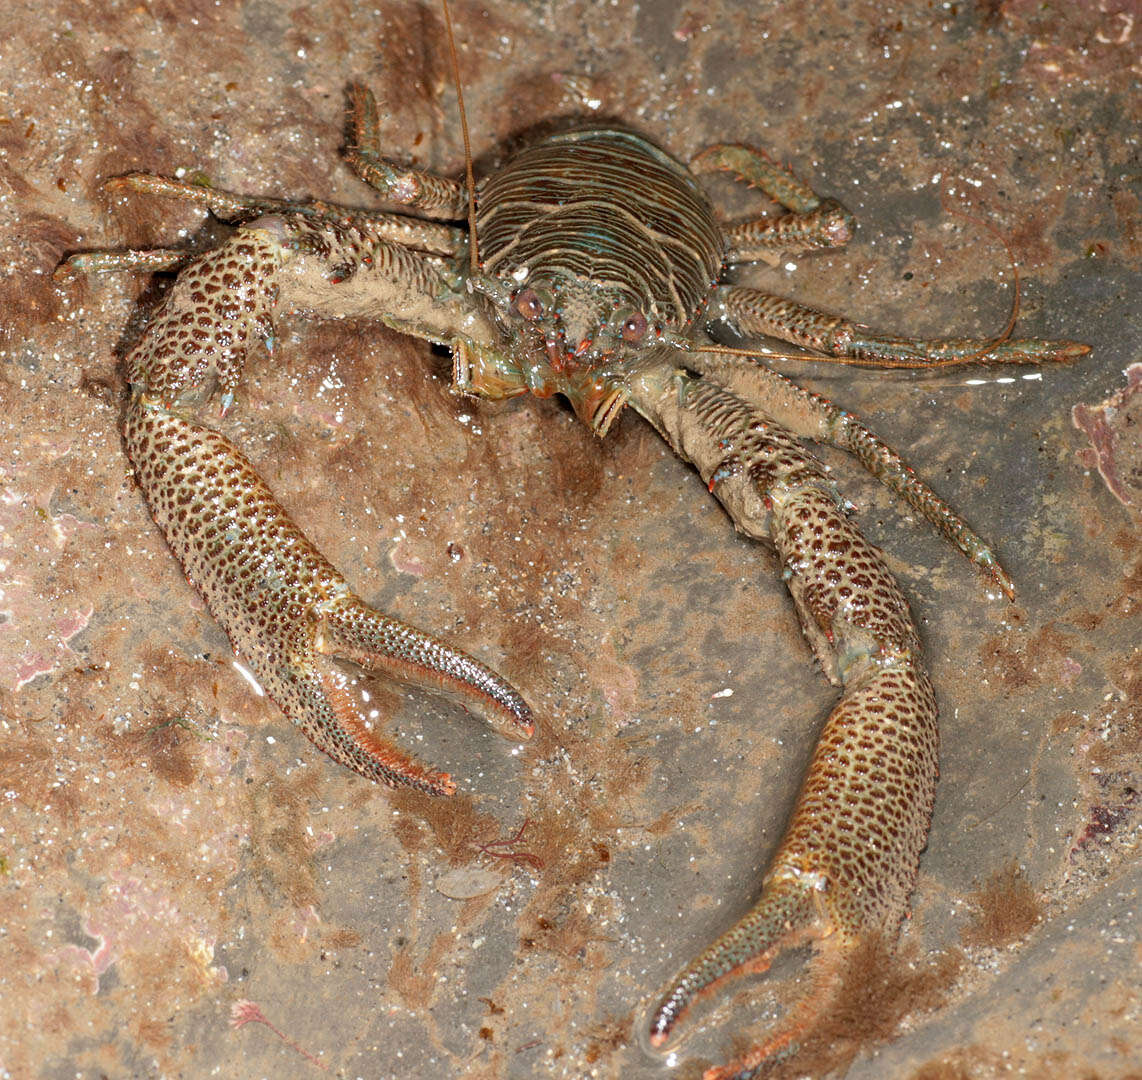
(528, 304)
(634, 328)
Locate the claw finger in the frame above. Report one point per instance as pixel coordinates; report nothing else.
(785, 914)
(354, 631)
(318, 700)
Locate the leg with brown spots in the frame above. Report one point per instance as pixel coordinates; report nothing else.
(812, 224)
(436, 196)
(751, 312)
(810, 416)
(848, 861)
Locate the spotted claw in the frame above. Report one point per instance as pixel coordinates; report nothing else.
(844, 870)
(288, 612)
(350, 630)
(787, 914)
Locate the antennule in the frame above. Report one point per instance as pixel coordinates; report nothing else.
(473, 247)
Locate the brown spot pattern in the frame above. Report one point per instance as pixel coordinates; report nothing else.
(286, 610)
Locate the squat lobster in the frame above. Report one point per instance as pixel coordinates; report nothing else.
(592, 271)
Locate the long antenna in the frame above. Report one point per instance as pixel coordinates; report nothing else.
(473, 251)
(1005, 333)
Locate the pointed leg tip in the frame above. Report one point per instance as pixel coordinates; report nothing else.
(735, 1070)
(1004, 582)
(726, 1072)
(125, 183)
(786, 916)
(427, 780)
(1072, 350)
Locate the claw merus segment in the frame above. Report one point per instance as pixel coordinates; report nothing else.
(846, 866)
(287, 611)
